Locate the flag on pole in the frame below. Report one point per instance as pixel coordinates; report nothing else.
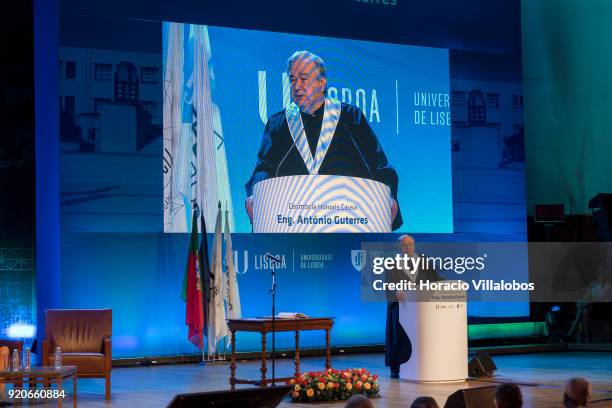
(217, 326)
(232, 293)
(192, 289)
(176, 140)
(194, 158)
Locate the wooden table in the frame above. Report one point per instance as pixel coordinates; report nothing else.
(264, 326)
(42, 375)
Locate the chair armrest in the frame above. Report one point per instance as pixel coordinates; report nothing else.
(107, 351)
(46, 348)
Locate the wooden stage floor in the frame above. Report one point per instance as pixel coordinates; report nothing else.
(543, 376)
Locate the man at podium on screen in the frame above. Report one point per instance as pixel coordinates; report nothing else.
(320, 135)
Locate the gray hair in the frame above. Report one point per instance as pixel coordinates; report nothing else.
(402, 237)
(309, 56)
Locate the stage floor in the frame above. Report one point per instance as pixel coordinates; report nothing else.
(542, 377)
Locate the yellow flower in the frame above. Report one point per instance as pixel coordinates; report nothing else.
(321, 386)
(310, 392)
(349, 386)
(366, 386)
(330, 385)
(297, 388)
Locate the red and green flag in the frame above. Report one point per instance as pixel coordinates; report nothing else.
(192, 289)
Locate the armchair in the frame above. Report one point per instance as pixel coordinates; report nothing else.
(84, 337)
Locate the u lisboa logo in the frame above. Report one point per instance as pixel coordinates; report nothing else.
(260, 261)
(245, 262)
(358, 258)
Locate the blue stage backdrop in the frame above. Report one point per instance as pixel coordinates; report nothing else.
(115, 253)
(140, 277)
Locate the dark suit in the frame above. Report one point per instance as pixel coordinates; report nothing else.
(343, 157)
(398, 347)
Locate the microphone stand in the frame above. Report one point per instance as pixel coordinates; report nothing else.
(273, 291)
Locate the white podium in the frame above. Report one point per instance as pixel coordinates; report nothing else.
(439, 336)
(321, 203)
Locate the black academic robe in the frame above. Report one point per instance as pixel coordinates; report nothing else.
(398, 347)
(358, 156)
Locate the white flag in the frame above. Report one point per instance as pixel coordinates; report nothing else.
(195, 165)
(217, 325)
(176, 148)
(234, 310)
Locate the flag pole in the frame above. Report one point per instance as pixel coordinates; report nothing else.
(218, 341)
(203, 351)
(199, 213)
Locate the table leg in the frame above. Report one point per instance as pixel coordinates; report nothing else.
(263, 360)
(297, 354)
(60, 387)
(327, 350)
(74, 392)
(232, 380)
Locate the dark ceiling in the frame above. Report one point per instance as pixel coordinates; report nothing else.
(490, 26)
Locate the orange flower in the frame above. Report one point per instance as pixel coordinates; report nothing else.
(367, 386)
(364, 377)
(330, 385)
(321, 386)
(349, 386)
(309, 392)
(358, 385)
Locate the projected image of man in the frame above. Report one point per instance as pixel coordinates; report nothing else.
(316, 134)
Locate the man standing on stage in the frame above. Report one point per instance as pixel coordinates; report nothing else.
(320, 135)
(398, 347)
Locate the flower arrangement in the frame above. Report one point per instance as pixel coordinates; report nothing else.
(333, 385)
